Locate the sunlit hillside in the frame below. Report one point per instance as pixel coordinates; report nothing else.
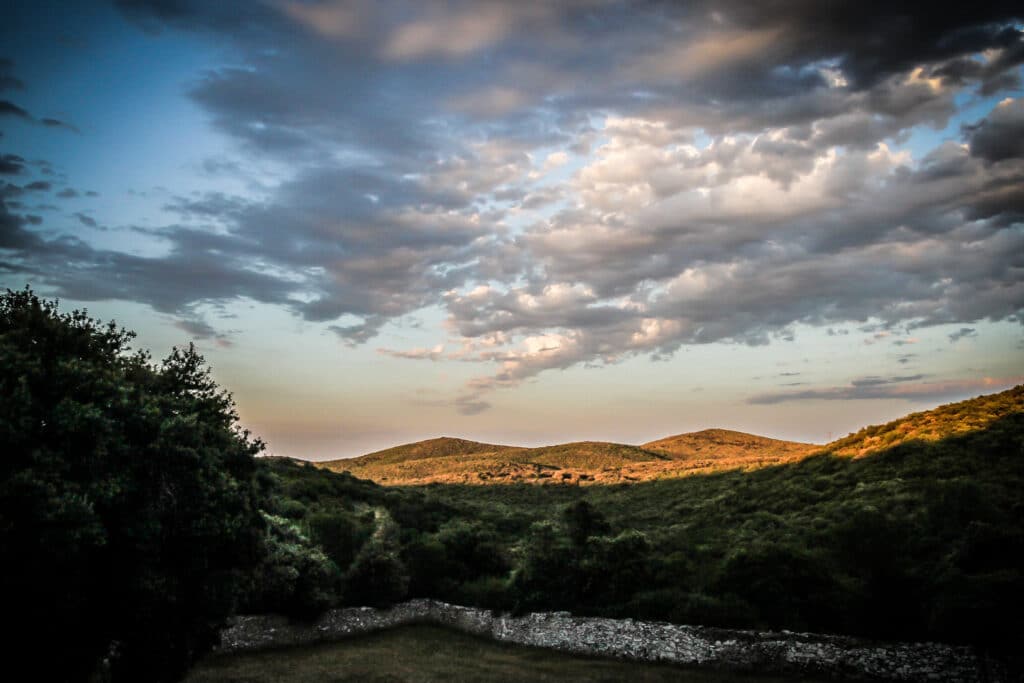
(931, 425)
(449, 460)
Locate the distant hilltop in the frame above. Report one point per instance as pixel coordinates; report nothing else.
(452, 460)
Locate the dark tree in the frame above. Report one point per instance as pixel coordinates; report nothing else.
(129, 522)
(582, 521)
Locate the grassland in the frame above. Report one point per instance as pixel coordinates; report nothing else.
(425, 654)
(457, 461)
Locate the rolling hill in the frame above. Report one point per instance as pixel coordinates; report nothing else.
(909, 530)
(459, 461)
(722, 444)
(431, 448)
(448, 460)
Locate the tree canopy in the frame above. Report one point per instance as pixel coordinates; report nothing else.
(129, 498)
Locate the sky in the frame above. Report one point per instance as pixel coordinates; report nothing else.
(530, 222)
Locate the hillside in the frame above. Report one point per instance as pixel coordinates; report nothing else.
(448, 460)
(431, 448)
(922, 539)
(725, 444)
(932, 425)
(458, 461)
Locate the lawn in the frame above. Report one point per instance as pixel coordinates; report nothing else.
(424, 654)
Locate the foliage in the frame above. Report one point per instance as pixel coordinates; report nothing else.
(923, 540)
(296, 577)
(128, 498)
(377, 576)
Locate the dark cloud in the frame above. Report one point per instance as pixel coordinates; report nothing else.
(67, 193)
(11, 164)
(85, 220)
(878, 381)
(889, 390)
(10, 109)
(471, 406)
(57, 123)
(1000, 136)
(962, 333)
(739, 177)
(197, 328)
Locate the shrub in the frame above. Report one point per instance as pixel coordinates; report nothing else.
(129, 519)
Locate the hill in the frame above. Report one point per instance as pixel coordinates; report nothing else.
(920, 539)
(459, 461)
(431, 448)
(448, 460)
(932, 425)
(725, 444)
(456, 461)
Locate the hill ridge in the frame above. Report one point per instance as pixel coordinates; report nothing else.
(454, 460)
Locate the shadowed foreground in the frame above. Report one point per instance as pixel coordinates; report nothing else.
(431, 653)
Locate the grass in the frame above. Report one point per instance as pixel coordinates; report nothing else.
(423, 654)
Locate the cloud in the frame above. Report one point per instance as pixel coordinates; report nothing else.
(459, 31)
(201, 330)
(331, 19)
(85, 220)
(434, 353)
(11, 164)
(10, 109)
(471, 405)
(720, 172)
(707, 55)
(963, 333)
(1000, 136)
(894, 388)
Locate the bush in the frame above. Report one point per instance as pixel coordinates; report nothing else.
(296, 577)
(129, 520)
(378, 577)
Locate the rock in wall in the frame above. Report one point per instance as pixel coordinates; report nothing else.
(768, 651)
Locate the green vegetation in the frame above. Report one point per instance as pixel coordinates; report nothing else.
(134, 519)
(129, 522)
(921, 541)
(429, 654)
(932, 425)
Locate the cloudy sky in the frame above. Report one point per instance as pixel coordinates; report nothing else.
(530, 222)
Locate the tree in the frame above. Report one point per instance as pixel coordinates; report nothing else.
(582, 521)
(129, 522)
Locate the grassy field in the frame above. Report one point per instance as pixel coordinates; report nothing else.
(423, 654)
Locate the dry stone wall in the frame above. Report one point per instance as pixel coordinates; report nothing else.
(779, 652)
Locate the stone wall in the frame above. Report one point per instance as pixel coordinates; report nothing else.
(780, 652)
